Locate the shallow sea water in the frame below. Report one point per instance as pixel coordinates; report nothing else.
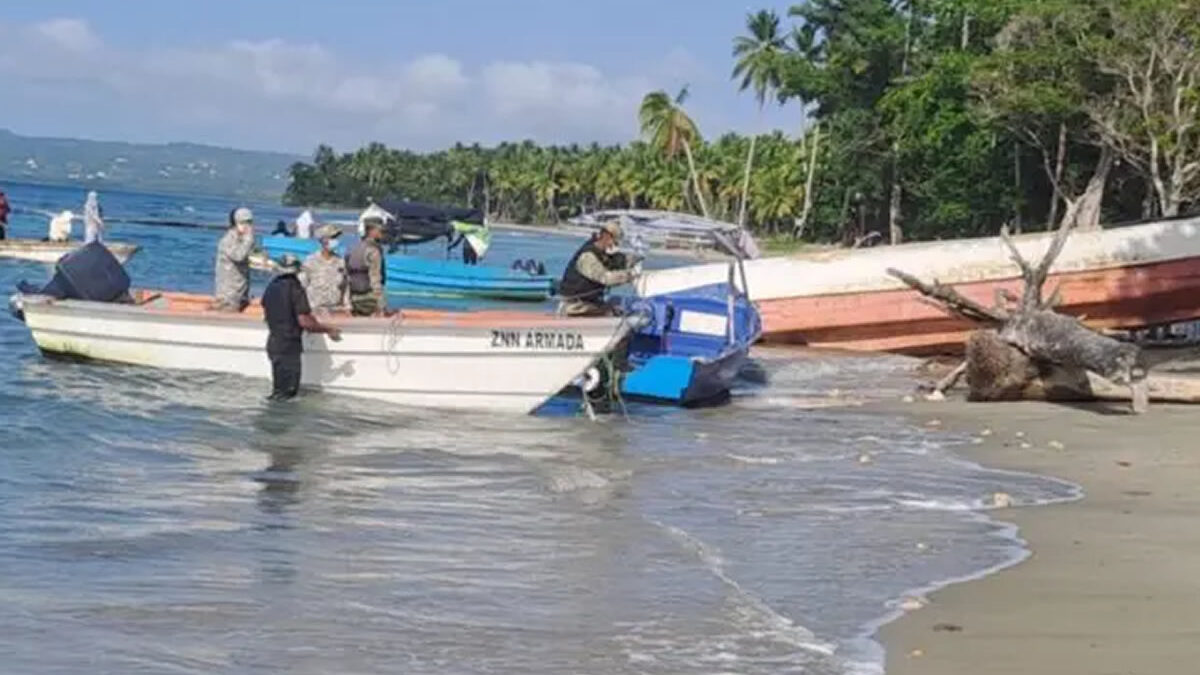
(155, 522)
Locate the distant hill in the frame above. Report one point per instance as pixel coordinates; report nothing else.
(185, 168)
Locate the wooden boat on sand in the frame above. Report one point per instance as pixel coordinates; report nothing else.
(49, 252)
(496, 361)
(1120, 278)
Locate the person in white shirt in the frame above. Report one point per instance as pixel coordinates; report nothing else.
(304, 225)
(93, 219)
(60, 227)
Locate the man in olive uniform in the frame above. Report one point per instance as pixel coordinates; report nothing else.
(286, 311)
(232, 273)
(366, 273)
(595, 267)
(324, 273)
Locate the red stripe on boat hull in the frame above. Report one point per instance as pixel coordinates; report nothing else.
(903, 321)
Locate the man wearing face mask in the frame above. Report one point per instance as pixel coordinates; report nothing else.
(232, 275)
(596, 267)
(324, 273)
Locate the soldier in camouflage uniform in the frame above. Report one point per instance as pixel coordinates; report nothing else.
(365, 272)
(324, 273)
(232, 277)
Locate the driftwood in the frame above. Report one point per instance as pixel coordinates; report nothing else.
(1028, 350)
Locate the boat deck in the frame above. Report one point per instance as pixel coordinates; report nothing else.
(193, 304)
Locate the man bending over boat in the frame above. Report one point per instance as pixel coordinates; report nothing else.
(325, 273)
(232, 276)
(596, 267)
(366, 272)
(286, 311)
(60, 227)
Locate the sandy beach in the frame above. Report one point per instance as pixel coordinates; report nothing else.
(1113, 582)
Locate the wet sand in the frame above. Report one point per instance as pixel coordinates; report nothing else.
(1113, 582)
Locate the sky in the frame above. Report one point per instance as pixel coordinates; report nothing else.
(288, 75)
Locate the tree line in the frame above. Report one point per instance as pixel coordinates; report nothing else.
(916, 119)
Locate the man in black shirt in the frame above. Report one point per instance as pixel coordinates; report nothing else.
(286, 311)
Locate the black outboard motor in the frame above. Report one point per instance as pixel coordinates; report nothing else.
(90, 272)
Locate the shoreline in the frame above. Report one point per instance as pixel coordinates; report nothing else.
(1106, 581)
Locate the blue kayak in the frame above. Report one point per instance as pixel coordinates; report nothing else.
(407, 275)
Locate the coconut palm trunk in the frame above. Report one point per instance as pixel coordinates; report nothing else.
(687, 150)
(746, 181)
(808, 182)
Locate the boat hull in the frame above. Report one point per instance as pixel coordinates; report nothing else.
(49, 252)
(1125, 278)
(684, 381)
(495, 361)
(408, 275)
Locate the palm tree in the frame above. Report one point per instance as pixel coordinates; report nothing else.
(758, 64)
(668, 128)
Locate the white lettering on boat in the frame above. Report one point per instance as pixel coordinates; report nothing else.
(544, 340)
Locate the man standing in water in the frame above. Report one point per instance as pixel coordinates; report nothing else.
(365, 271)
(93, 219)
(595, 267)
(286, 311)
(325, 273)
(232, 276)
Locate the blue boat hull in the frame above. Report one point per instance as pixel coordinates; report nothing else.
(408, 275)
(684, 381)
(686, 354)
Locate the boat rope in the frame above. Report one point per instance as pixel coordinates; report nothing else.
(392, 337)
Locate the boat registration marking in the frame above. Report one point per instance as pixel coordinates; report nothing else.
(553, 340)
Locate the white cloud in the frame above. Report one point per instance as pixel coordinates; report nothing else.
(72, 34)
(278, 94)
(436, 75)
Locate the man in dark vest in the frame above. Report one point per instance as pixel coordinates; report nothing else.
(366, 272)
(595, 267)
(286, 311)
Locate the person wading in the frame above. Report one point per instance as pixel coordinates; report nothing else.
(231, 285)
(595, 267)
(288, 315)
(366, 273)
(324, 273)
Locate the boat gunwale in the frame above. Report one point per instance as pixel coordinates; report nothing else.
(422, 318)
(998, 269)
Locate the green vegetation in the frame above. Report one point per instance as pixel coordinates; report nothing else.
(922, 119)
(181, 168)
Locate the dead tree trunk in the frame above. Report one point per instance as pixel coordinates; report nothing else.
(1028, 341)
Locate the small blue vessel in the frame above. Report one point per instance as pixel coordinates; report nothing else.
(693, 346)
(407, 275)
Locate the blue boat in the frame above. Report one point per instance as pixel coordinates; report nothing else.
(687, 352)
(693, 346)
(408, 275)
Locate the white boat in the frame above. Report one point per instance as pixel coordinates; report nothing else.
(1123, 278)
(49, 252)
(498, 361)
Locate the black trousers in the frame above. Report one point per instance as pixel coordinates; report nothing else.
(285, 373)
